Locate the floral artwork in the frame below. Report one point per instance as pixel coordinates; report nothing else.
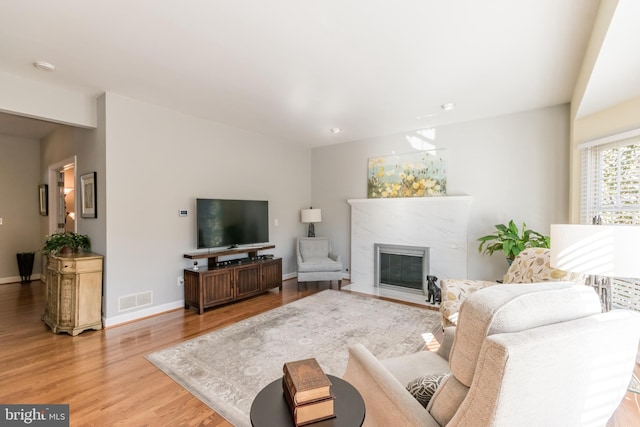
(419, 174)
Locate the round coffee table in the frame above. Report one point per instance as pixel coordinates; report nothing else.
(270, 409)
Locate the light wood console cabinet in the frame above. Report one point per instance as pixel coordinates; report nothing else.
(74, 293)
(227, 281)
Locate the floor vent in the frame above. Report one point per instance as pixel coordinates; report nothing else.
(129, 302)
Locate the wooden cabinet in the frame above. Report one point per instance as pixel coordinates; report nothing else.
(217, 287)
(73, 293)
(247, 280)
(220, 283)
(271, 275)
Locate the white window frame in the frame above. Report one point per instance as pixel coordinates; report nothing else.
(618, 207)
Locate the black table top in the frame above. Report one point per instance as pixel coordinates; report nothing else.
(270, 408)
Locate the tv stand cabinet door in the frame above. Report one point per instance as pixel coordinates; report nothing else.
(217, 287)
(247, 280)
(272, 274)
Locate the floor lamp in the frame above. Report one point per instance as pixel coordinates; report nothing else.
(601, 251)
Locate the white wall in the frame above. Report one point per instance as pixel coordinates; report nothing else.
(19, 208)
(64, 143)
(39, 100)
(514, 167)
(159, 161)
(609, 121)
(151, 162)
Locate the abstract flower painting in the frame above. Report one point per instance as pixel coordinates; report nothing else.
(418, 174)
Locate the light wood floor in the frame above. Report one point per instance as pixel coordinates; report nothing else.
(104, 376)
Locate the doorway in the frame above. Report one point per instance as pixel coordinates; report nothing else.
(62, 196)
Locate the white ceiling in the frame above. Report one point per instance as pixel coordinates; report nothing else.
(294, 69)
(615, 78)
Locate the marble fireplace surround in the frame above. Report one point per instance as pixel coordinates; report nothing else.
(440, 223)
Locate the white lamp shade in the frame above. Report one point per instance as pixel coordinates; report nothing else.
(603, 250)
(311, 215)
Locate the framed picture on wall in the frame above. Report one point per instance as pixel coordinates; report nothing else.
(43, 194)
(88, 194)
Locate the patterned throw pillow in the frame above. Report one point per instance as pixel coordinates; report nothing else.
(423, 388)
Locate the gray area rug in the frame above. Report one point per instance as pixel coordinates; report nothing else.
(228, 367)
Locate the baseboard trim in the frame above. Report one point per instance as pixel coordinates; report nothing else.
(288, 276)
(16, 279)
(140, 314)
(293, 275)
(159, 309)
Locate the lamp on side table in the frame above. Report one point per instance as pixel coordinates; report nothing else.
(311, 216)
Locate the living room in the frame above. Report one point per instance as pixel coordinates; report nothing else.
(153, 160)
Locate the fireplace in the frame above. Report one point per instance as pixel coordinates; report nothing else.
(439, 223)
(401, 266)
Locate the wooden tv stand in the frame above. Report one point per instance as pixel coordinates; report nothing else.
(221, 282)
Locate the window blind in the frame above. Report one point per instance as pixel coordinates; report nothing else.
(610, 190)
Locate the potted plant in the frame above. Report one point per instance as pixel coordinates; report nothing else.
(511, 241)
(66, 243)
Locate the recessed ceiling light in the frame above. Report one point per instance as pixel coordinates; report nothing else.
(44, 66)
(335, 130)
(448, 106)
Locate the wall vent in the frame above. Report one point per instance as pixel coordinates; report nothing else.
(129, 302)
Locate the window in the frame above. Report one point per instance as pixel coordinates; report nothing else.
(611, 193)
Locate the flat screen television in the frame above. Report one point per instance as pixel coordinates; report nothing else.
(230, 223)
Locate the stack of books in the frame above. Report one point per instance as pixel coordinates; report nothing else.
(308, 391)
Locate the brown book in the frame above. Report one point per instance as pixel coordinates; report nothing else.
(306, 381)
(310, 412)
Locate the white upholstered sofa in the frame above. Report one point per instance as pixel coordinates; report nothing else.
(537, 355)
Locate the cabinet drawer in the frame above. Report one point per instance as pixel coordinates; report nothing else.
(88, 265)
(79, 265)
(52, 263)
(66, 266)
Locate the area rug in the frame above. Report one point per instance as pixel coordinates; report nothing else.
(227, 368)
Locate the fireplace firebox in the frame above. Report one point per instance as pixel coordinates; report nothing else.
(401, 266)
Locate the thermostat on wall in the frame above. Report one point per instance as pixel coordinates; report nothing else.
(183, 212)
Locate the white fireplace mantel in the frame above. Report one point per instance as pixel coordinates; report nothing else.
(440, 223)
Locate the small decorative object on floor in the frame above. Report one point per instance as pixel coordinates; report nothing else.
(434, 293)
(308, 391)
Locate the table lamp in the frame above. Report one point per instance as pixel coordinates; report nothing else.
(601, 251)
(311, 216)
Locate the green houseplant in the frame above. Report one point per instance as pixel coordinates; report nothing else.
(510, 240)
(66, 243)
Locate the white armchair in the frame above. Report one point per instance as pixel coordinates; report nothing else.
(317, 262)
(521, 356)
